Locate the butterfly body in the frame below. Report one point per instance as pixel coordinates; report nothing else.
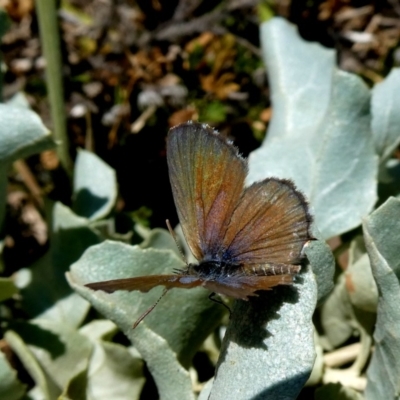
(246, 239)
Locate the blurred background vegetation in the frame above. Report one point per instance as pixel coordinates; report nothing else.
(132, 69)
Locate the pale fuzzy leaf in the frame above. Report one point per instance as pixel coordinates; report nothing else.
(95, 186)
(385, 115)
(10, 387)
(61, 351)
(114, 373)
(71, 235)
(268, 349)
(320, 132)
(174, 330)
(99, 329)
(361, 285)
(321, 258)
(22, 133)
(46, 387)
(337, 317)
(382, 238)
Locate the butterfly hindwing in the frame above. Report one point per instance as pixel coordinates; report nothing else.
(245, 286)
(270, 225)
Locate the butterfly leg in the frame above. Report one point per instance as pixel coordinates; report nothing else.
(212, 298)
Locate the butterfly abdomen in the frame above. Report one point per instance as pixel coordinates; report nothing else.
(269, 269)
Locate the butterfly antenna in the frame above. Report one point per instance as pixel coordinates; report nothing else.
(173, 234)
(148, 311)
(212, 298)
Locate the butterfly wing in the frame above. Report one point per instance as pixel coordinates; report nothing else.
(207, 178)
(242, 287)
(146, 283)
(269, 227)
(239, 287)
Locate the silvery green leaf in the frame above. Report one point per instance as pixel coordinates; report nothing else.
(320, 134)
(71, 235)
(99, 329)
(59, 349)
(173, 331)
(382, 238)
(22, 134)
(337, 317)
(361, 285)
(323, 266)
(45, 388)
(95, 186)
(114, 373)
(268, 350)
(10, 387)
(385, 116)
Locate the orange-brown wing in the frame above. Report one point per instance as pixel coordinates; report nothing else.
(270, 225)
(207, 178)
(241, 287)
(238, 287)
(146, 283)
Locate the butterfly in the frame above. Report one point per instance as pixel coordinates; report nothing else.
(246, 239)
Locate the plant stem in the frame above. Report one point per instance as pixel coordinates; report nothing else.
(50, 40)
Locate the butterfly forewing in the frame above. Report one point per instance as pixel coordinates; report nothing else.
(207, 177)
(146, 283)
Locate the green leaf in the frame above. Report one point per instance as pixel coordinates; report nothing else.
(61, 351)
(361, 285)
(160, 239)
(320, 134)
(95, 186)
(7, 288)
(19, 100)
(114, 373)
(335, 391)
(323, 266)
(357, 249)
(174, 330)
(268, 349)
(385, 116)
(340, 320)
(22, 134)
(337, 317)
(382, 238)
(10, 387)
(99, 329)
(76, 388)
(45, 385)
(319, 364)
(45, 292)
